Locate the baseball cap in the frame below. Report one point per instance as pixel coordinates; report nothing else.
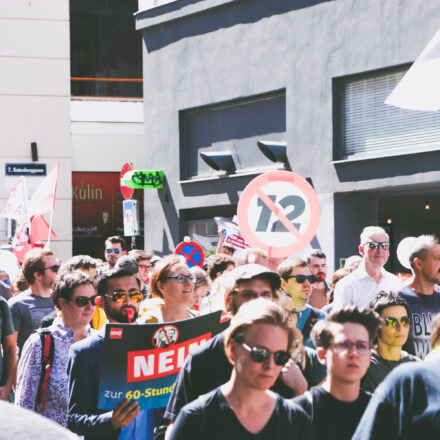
(251, 271)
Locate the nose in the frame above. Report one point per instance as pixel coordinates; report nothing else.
(269, 362)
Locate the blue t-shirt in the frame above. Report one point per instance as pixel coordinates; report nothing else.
(303, 316)
(419, 340)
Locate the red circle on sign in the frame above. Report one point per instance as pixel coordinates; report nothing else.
(126, 192)
(190, 257)
(254, 188)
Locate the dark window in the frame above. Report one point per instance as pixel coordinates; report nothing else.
(106, 51)
(369, 127)
(233, 126)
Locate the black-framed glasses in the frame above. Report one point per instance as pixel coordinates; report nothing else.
(116, 251)
(385, 245)
(260, 354)
(361, 347)
(302, 278)
(182, 279)
(53, 268)
(119, 296)
(145, 266)
(391, 321)
(82, 301)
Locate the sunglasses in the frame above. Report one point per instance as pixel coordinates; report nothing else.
(53, 268)
(119, 296)
(182, 279)
(82, 301)
(361, 347)
(116, 251)
(375, 245)
(391, 321)
(260, 354)
(302, 278)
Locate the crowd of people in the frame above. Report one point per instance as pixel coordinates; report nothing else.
(307, 354)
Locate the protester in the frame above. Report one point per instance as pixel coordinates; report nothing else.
(336, 277)
(343, 341)
(370, 277)
(393, 333)
(74, 295)
(115, 247)
(38, 273)
(143, 260)
(218, 264)
(296, 281)
(317, 261)
(208, 367)
(8, 351)
(422, 292)
(405, 406)
(222, 247)
(201, 287)
(173, 282)
(258, 344)
(119, 295)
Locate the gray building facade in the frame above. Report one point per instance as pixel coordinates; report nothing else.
(221, 74)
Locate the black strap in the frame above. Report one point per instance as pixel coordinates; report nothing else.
(47, 352)
(311, 321)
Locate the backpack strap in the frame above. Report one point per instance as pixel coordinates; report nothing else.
(47, 352)
(311, 321)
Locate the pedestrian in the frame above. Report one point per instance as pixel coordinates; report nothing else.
(317, 261)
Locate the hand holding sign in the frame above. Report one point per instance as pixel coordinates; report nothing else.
(279, 212)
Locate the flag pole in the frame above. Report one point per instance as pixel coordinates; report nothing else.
(53, 206)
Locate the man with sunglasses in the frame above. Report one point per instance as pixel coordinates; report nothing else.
(422, 292)
(343, 341)
(119, 295)
(115, 247)
(360, 286)
(393, 333)
(317, 261)
(38, 271)
(296, 281)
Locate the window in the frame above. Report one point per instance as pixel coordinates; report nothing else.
(368, 127)
(106, 50)
(233, 126)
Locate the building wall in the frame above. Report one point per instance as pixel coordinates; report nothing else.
(209, 51)
(35, 100)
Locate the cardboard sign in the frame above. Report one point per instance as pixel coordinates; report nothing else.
(192, 252)
(232, 235)
(142, 361)
(143, 179)
(279, 212)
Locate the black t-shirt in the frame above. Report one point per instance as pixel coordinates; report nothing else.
(332, 419)
(212, 418)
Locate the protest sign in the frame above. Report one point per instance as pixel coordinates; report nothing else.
(192, 252)
(142, 361)
(231, 233)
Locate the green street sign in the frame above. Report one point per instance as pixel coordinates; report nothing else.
(140, 179)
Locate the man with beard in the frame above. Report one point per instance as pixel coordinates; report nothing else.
(119, 295)
(115, 247)
(317, 261)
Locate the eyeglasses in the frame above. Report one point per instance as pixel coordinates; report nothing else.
(82, 301)
(375, 245)
(145, 266)
(119, 296)
(260, 354)
(391, 321)
(361, 347)
(302, 278)
(182, 279)
(116, 251)
(53, 268)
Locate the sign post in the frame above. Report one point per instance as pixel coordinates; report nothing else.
(279, 212)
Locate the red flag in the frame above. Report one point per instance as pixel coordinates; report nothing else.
(43, 199)
(40, 230)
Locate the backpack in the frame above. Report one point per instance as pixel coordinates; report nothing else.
(47, 352)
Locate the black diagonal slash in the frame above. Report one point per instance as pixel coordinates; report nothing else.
(274, 208)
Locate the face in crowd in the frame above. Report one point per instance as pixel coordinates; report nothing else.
(318, 267)
(429, 267)
(79, 309)
(376, 250)
(47, 276)
(178, 286)
(122, 299)
(112, 253)
(298, 287)
(247, 290)
(348, 356)
(395, 328)
(145, 268)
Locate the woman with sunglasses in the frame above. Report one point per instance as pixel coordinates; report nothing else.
(258, 344)
(393, 333)
(173, 282)
(74, 295)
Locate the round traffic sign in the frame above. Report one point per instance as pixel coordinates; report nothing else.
(127, 193)
(192, 252)
(279, 212)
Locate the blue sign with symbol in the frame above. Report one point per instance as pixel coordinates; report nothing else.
(192, 252)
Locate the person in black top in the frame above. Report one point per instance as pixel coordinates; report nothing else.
(258, 344)
(343, 341)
